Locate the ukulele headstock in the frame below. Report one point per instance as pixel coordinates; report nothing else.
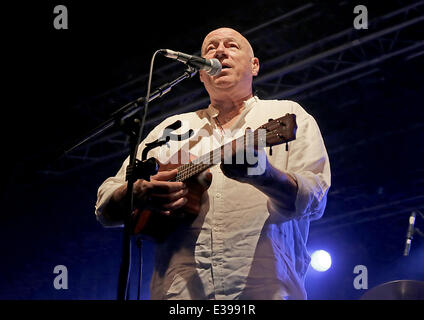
(280, 130)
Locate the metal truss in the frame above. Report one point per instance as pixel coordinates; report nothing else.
(288, 69)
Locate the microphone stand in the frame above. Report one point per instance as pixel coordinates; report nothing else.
(127, 119)
(412, 230)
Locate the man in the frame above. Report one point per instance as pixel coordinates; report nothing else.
(249, 239)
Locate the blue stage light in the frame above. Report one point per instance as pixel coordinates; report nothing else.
(321, 260)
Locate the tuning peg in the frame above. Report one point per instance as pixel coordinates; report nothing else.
(270, 148)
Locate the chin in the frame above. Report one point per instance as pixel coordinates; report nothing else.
(223, 83)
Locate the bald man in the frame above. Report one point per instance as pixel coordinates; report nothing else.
(248, 240)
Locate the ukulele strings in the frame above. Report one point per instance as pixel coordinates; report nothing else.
(206, 161)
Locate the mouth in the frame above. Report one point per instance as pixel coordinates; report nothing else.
(225, 66)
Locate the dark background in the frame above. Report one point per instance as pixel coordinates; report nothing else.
(372, 127)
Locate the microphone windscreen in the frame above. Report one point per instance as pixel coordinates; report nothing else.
(216, 67)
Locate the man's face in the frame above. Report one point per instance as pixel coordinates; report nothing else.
(236, 56)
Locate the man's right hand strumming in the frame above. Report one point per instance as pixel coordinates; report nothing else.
(159, 195)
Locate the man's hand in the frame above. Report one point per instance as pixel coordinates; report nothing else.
(160, 194)
(253, 169)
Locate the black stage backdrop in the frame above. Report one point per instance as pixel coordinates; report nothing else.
(371, 120)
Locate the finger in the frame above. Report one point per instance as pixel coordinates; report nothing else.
(175, 205)
(169, 197)
(165, 175)
(164, 187)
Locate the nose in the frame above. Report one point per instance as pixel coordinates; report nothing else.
(221, 51)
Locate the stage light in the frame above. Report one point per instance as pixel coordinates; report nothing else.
(321, 260)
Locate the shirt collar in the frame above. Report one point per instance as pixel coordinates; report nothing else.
(248, 104)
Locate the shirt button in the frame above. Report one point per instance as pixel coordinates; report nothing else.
(218, 195)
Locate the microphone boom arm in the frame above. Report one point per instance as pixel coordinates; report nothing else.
(120, 116)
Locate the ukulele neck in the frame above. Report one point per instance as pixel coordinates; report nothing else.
(275, 132)
(204, 162)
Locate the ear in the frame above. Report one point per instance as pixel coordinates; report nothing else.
(255, 66)
(201, 75)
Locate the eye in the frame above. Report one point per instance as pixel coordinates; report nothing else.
(210, 47)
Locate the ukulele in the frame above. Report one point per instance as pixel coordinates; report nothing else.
(154, 226)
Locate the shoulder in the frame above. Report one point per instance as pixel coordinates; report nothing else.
(281, 107)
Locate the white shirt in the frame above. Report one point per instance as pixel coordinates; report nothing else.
(236, 248)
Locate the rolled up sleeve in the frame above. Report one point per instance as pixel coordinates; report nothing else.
(104, 193)
(309, 165)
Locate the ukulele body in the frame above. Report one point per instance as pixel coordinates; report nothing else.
(155, 226)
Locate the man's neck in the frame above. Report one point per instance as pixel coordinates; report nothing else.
(229, 108)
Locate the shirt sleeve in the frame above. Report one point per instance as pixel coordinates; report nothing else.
(104, 193)
(309, 165)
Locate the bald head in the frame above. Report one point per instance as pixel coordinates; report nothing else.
(230, 34)
(239, 65)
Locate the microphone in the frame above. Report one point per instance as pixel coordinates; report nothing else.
(211, 66)
(409, 234)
